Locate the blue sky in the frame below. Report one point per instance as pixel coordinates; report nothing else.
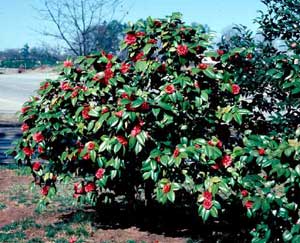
(19, 21)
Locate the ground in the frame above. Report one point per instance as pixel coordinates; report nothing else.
(21, 222)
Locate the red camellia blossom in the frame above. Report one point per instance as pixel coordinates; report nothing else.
(108, 74)
(220, 52)
(124, 67)
(215, 166)
(140, 34)
(152, 41)
(45, 86)
(110, 56)
(119, 114)
(219, 144)
(226, 160)
(45, 190)
(202, 66)
(78, 188)
(138, 56)
(235, 89)
(38, 137)
(24, 109)
(130, 39)
(136, 130)
(68, 64)
(36, 166)
(207, 195)
(249, 204)
(105, 110)
(170, 89)
(122, 140)
(24, 127)
(207, 204)
(182, 50)
(65, 86)
(40, 149)
(176, 152)
(90, 187)
(73, 239)
(210, 143)
(157, 23)
(249, 56)
(196, 85)
(100, 172)
(145, 106)
(90, 145)
(74, 93)
(28, 151)
(85, 113)
(261, 151)
(244, 193)
(167, 188)
(86, 156)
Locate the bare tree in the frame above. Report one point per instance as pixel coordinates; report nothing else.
(74, 20)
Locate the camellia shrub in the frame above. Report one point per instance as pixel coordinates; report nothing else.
(163, 121)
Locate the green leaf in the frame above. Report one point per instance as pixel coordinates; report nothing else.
(171, 196)
(141, 66)
(209, 73)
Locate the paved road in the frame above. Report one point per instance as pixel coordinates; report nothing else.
(16, 88)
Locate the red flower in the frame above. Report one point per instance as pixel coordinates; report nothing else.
(122, 140)
(125, 96)
(249, 204)
(136, 130)
(105, 110)
(40, 150)
(261, 151)
(108, 74)
(157, 159)
(157, 23)
(74, 93)
(24, 109)
(220, 52)
(110, 56)
(90, 145)
(124, 67)
(24, 127)
(139, 34)
(176, 152)
(119, 114)
(138, 57)
(98, 76)
(45, 86)
(85, 113)
(152, 41)
(90, 187)
(130, 39)
(68, 63)
(65, 86)
(78, 188)
(73, 239)
(207, 204)
(100, 173)
(207, 195)
(38, 137)
(45, 190)
(145, 106)
(235, 89)
(249, 56)
(196, 85)
(167, 188)
(219, 144)
(210, 143)
(215, 166)
(170, 89)
(202, 66)
(226, 160)
(28, 151)
(36, 166)
(182, 50)
(244, 193)
(86, 156)
(197, 146)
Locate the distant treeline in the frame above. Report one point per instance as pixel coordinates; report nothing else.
(27, 57)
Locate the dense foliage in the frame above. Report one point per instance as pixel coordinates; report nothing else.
(172, 120)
